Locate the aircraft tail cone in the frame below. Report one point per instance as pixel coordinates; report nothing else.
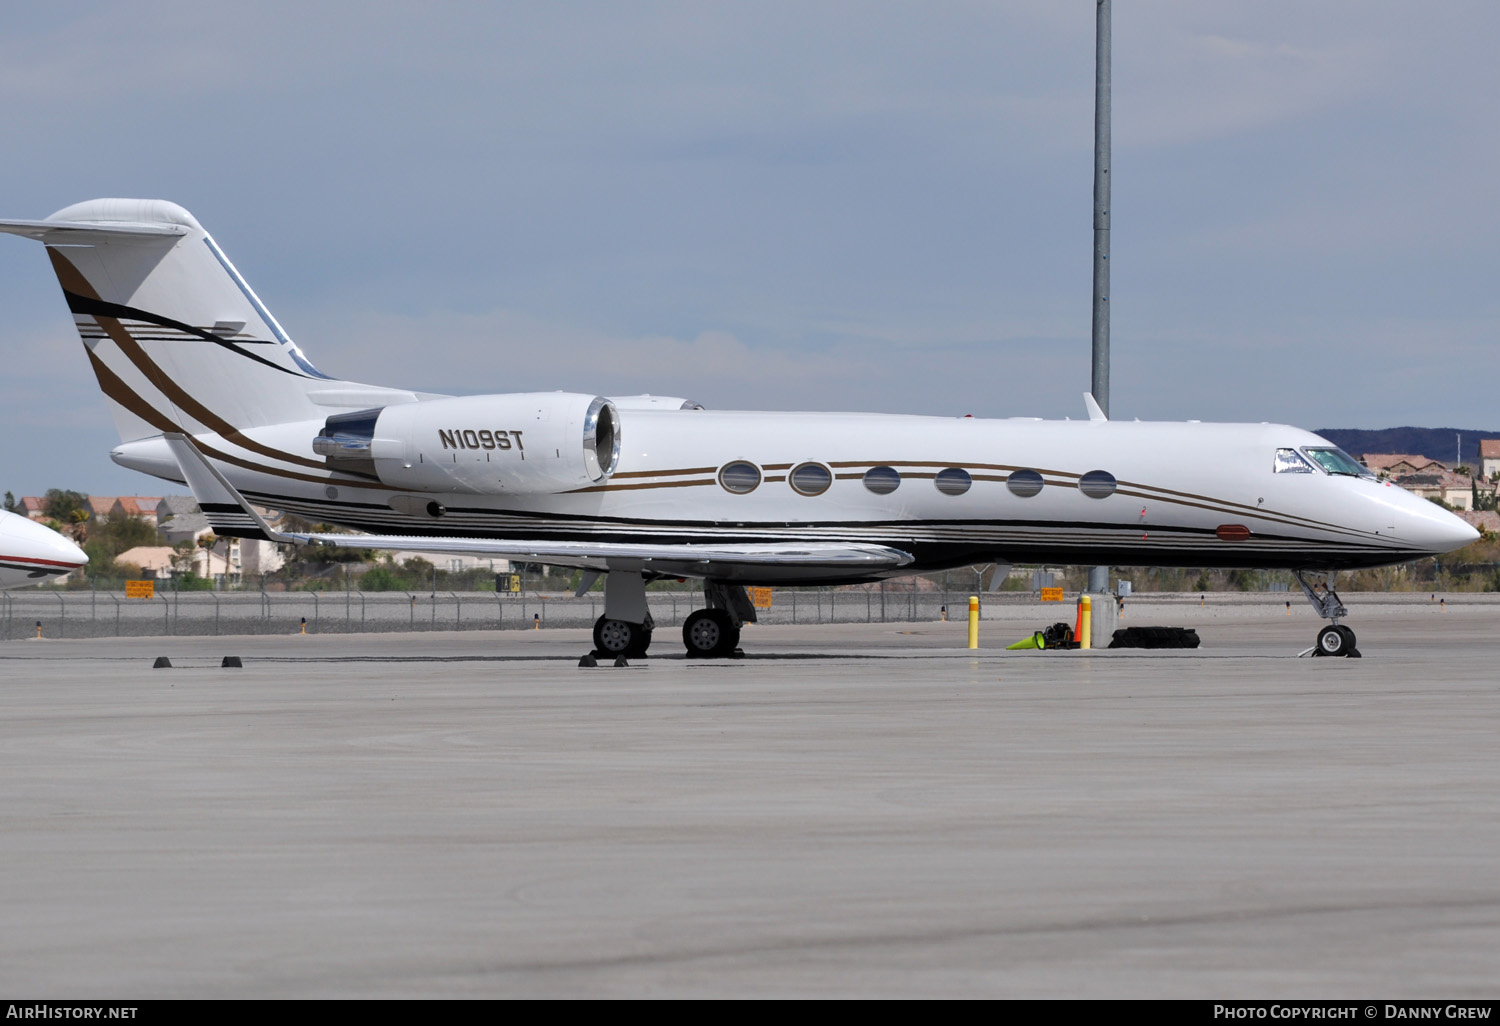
(1035, 641)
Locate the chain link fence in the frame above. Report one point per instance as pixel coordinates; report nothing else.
(103, 614)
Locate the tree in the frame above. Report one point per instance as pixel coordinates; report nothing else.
(10, 503)
(66, 506)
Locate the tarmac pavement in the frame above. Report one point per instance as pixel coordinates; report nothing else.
(848, 811)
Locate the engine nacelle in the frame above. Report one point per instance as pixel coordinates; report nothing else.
(523, 443)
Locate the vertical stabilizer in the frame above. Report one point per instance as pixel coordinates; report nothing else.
(177, 338)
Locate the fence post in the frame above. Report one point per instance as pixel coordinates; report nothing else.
(315, 612)
(166, 615)
(117, 612)
(361, 612)
(215, 596)
(458, 615)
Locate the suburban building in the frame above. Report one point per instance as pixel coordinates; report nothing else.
(1489, 457)
(1487, 521)
(1457, 490)
(1395, 464)
(142, 507)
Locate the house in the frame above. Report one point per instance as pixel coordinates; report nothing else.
(1489, 457)
(1456, 490)
(455, 562)
(99, 506)
(142, 507)
(34, 507)
(179, 519)
(154, 560)
(1485, 521)
(1394, 464)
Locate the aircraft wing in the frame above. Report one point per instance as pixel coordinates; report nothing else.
(229, 513)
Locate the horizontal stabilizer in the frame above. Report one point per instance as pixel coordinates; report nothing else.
(43, 229)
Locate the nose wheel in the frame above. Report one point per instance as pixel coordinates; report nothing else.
(1335, 639)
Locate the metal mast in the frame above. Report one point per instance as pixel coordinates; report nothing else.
(1099, 383)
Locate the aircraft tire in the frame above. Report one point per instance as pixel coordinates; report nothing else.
(619, 638)
(710, 633)
(1334, 640)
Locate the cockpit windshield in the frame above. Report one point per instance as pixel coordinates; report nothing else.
(1290, 461)
(1337, 461)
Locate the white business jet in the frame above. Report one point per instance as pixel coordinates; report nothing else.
(207, 388)
(31, 553)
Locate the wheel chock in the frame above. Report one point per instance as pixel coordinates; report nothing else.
(231, 661)
(588, 660)
(162, 663)
(620, 661)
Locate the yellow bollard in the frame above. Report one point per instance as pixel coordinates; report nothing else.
(39, 628)
(304, 625)
(973, 621)
(1086, 624)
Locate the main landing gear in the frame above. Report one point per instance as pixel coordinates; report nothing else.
(624, 631)
(1335, 639)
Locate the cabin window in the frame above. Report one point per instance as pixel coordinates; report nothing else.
(1097, 484)
(1023, 484)
(1337, 461)
(952, 481)
(739, 477)
(810, 479)
(1290, 461)
(882, 480)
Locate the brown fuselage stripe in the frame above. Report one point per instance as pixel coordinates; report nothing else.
(114, 388)
(136, 355)
(73, 280)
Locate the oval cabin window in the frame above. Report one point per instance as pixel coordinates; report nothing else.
(810, 479)
(1097, 484)
(739, 477)
(952, 481)
(1024, 483)
(882, 480)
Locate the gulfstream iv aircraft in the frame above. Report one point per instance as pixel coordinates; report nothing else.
(31, 553)
(207, 388)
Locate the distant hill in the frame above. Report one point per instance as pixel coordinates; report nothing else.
(1434, 443)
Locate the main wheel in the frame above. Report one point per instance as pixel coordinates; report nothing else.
(1334, 640)
(621, 638)
(710, 632)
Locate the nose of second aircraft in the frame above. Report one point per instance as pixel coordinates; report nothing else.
(35, 541)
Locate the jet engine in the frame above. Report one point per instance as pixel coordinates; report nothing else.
(522, 443)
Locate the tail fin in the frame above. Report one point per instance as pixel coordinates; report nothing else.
(177, 338)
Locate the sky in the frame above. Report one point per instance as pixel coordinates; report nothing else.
(785, 205)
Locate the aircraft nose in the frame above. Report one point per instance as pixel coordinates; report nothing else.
(1437, 531)
(42, 542)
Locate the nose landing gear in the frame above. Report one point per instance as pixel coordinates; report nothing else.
(1335, 639)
